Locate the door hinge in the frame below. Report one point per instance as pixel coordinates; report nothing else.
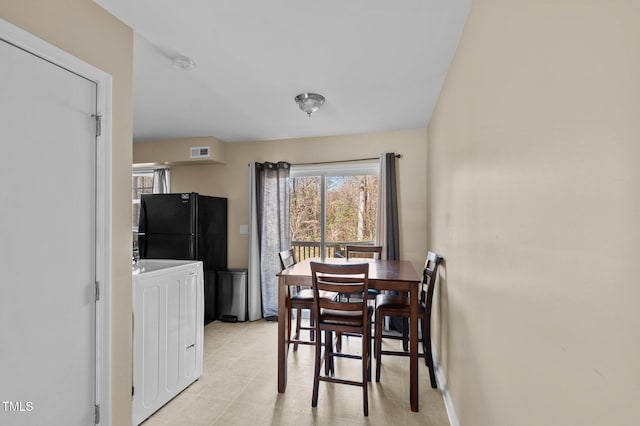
(133, 390)
(97, 414)
(97, 291)
(98, 124)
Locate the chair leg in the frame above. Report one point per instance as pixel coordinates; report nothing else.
(372, 327)
(405, 334)
(328, 353)
(366, 374)
(312, 324)
(428, 354)
(316, 372)
(332, 365)
(369, 357)
(432, 372)
(378, 344)
(289, 328)
(423, 340)
(297, 335)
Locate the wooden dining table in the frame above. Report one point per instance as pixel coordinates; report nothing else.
(398, 275)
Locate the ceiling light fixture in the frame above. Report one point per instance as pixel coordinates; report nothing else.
(309, 102)
(184, 63)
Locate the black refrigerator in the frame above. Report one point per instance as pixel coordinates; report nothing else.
(186, 227)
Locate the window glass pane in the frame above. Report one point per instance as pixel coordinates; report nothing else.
(142, 183)
(305, 216)
(351, 211)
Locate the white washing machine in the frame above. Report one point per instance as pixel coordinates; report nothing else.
(168, 331)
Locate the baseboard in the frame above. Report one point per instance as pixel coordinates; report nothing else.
(442, 385)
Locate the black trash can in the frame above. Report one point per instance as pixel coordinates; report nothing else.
(232, 295)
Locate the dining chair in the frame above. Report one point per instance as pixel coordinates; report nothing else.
(359, 252)
(398, 306)
(341, 316)
(299, 299)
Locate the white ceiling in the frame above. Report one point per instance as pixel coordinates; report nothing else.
(379, 63)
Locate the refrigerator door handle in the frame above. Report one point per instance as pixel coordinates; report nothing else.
(142, 229)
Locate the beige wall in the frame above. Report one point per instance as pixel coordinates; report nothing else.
(177, 151)
(231, 180)
(534, 200)
(85, 30)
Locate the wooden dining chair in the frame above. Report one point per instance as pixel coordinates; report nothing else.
(359, 252)
(299, 300)
(398, 306)
(341, 316)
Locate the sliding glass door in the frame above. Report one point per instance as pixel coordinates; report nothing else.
(332, 206)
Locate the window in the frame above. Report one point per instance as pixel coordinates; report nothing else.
(142, 183)
(332, 205)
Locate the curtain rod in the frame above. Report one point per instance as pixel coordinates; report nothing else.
(341, 161)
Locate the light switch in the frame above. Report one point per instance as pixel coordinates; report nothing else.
(244, 229)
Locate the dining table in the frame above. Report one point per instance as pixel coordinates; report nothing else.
(394, 275)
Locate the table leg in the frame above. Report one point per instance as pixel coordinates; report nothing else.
(413, 347)
(283, 333)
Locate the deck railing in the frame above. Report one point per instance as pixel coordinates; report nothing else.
(306, 249)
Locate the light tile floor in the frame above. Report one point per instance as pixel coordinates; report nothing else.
(239, 386)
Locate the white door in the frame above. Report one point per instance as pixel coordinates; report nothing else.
(47, 242)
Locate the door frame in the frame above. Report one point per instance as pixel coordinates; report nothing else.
(30, 43)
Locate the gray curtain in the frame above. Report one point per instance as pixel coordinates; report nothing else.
(160, 181)
(254, 297)
(270, 233)
(388, 230)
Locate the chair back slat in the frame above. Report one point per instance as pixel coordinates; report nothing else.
(340, 306)
(339, 287)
